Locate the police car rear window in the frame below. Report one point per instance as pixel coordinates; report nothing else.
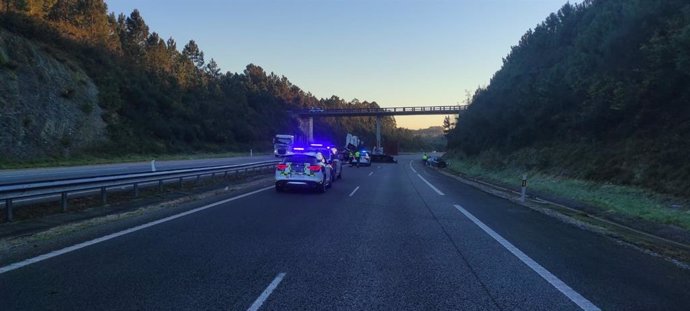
(300, 159)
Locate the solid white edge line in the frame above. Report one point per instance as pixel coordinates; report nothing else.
(267, 292)
(372, 173)
(75, 247)
(414, 170)
(574, 296)
(430, 185)
(353, 191)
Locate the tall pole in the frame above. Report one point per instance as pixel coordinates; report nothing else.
(378, 133)
(310, 134)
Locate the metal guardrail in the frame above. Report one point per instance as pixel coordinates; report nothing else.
(62, 188)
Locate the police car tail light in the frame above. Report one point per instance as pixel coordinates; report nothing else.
(315, 168)
(281, 167)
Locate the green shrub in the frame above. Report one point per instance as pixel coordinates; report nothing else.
(86, 107)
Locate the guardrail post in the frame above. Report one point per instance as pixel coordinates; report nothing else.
(104, 196)
(136, 190)
(180, 183)
(160, 185)
(8, 210)
(63, 201)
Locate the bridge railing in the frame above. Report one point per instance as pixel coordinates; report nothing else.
(454, 108)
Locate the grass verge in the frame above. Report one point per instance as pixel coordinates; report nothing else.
(610, 200)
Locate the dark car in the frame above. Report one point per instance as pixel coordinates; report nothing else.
(436, 162)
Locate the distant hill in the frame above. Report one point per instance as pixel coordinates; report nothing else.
(599, 90)
(432, 131)
(428, 139)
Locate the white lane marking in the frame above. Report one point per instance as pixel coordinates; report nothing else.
(430, 185)
(372, 173)
(267, 292)
(75, 247)
(574, 296)
(353, 191)
(414, 170)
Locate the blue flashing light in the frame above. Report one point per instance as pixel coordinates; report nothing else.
(316, 145)
(298, 148)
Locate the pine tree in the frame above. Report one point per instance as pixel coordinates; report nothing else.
(133, 34)
(448, 126)
(212, 69)
(191, 51)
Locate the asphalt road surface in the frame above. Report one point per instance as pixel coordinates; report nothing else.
(386, 237)
(57, 173)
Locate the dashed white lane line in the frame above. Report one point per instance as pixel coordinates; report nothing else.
(353, 191)
(574, 296)
(75, 247)
(414, 170)
(430, 185)
(267, 292)
(372, 173)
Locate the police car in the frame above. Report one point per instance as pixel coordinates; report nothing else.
(333, 158)
(303, 170)
(364, 159)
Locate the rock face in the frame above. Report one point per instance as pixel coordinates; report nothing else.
(48, 105)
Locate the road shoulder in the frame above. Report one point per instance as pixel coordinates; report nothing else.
(30, 238)
(673, 251)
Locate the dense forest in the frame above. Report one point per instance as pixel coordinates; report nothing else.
(156, 96)
(599, 90)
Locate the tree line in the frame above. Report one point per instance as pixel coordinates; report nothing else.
(598, 90)
(158, 97)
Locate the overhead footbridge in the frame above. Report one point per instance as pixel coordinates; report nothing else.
(387, 111)
(308, 115)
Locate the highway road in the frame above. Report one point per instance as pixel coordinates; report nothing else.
(387, 237)
(56, 173)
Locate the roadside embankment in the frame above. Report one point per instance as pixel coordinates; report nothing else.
(633, 214)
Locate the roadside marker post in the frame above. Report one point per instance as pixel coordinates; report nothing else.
(523, 192)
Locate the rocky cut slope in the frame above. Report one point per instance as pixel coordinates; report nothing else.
(48, 104)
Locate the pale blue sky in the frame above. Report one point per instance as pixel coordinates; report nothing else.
(394, 52)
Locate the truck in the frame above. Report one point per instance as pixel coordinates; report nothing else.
(351, 142)
(282, 144)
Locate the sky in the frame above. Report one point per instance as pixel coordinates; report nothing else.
(398, 53)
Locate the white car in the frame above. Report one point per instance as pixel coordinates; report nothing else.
(364, 159)
(304, 170)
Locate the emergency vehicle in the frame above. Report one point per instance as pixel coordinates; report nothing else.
(303, 169)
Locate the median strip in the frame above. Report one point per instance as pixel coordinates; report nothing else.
(574, 296)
